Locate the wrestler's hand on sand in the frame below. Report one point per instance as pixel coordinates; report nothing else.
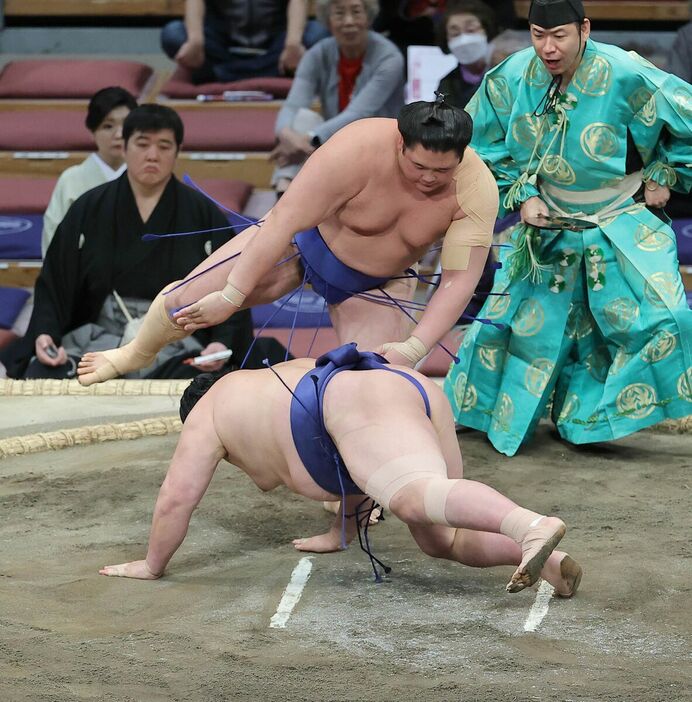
(134, 569)
(323, 543)
(210, 310)
(656, 195)
(532, 208)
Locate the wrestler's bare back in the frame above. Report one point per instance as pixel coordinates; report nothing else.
(250, 414)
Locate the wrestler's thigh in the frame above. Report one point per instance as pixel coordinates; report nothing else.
(215, 268)
(371, 324)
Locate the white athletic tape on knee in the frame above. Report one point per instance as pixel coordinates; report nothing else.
(390, 477)
(232, 295)
(435, 499)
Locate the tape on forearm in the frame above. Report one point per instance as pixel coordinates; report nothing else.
(413, 349)
(232, 295)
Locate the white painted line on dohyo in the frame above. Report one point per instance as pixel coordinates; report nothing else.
(292, 593)
(540, 606)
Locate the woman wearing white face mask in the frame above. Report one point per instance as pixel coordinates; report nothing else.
(467, 29)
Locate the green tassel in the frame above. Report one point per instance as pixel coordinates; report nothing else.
(523, 261)
(660, 173)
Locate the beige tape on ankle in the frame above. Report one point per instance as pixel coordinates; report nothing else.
(413, 349)
(232, 295)
(518, 522)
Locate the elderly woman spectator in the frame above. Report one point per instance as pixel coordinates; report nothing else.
(105, 116)
(355, 73)
(466, 32)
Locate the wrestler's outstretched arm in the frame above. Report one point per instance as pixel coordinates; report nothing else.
(323, 185)
(194, 462)
(331, 540)
(442, 312)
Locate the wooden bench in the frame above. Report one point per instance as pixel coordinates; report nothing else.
(638, 10)
(93, 8)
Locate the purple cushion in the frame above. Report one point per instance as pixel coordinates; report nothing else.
(180, 86)
(51, 78)
(11, 302)
(683, 234)
(20, 236)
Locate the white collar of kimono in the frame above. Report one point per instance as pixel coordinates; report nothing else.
(110, 173)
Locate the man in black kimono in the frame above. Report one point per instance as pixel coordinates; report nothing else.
(98, 273)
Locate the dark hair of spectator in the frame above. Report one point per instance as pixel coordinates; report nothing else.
(477, 8)
(153, 118)
(104, 102)
(196, 390)
(436, 126)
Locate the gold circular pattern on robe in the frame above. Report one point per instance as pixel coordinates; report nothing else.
(557, 169)
(625, 265)
(536, 74)
(598, 364)
(529, 318)
(599, 141)
(471, 335)
(648, 239)
(526, 128)
(621, 313)
(685, 385)
(663, 289)
(537, 376)
(499, 94)
(579, 323)
(660, 347)
(636, 401)
(639, 98)
(593, 77)
(570, 407)
(648, 113)
(620, 360)
(465, 394)
(497, 307)
(502, 418)
(683, 99)
(490, 356)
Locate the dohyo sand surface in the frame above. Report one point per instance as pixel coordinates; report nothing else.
(432, 631)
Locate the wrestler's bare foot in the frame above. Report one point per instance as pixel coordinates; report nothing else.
(333, 507)
(538, 544)
(96, 367)
(563, 573)
(323, 543)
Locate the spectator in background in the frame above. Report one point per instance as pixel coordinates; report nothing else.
(98, 275)
(681, 54)
(355, 73)
(227, 40)
(467, 29)
(106, 113)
